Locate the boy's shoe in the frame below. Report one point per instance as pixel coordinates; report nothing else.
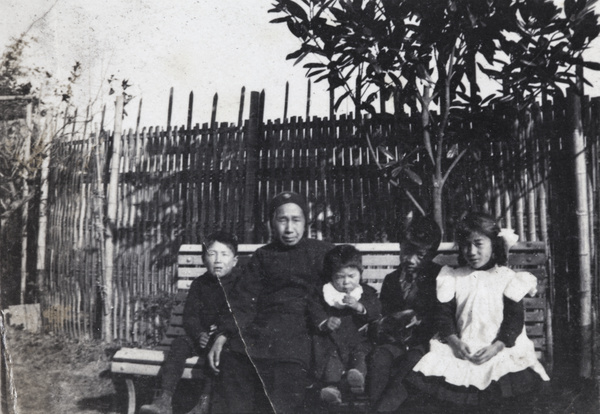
(331, 395)
(160, 405)
(356, 381)
(203, 406)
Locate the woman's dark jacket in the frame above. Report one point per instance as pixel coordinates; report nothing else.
(274, 302)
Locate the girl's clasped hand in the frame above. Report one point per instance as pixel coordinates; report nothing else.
(461, 350)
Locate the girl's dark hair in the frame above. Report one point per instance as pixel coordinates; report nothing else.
(488, 226)
(223, 237)
(340, 257)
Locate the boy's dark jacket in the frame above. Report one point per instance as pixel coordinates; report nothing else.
(346, 339)
(424, 304)
(205, 304)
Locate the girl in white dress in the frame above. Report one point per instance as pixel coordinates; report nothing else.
(481, 354)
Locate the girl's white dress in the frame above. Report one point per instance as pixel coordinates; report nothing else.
(479, 313)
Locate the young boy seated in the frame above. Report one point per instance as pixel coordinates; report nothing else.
(204, 306)
(342, 348)
(408, 302)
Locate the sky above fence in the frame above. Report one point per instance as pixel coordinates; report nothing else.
(191, 45)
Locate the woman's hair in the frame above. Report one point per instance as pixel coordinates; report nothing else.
(340, 257)
(222, 237)
(488, 226)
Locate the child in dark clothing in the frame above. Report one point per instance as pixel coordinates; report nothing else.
(408, 303)
(342, 348)
(204, 306)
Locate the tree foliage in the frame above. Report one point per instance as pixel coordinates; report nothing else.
(22, 84)
(431, 56)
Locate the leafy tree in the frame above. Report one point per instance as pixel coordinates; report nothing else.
(30, 97)
(431, 55)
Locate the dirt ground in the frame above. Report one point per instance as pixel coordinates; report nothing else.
(54, 375)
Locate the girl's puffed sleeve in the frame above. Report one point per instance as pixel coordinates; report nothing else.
(521, 284)
(445, 285)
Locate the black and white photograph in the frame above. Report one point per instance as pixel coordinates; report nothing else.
(299, 206)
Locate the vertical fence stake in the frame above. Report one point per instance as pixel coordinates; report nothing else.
(190, 110)
(285, 101)
(241, 111)
(250, 218)
(170, 109)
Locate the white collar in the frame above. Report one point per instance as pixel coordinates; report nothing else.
(335, 298)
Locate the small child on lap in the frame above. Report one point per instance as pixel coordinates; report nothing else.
(341, 348)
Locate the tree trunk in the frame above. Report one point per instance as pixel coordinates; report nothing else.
(43, 217)
(583, 235)
(111, 220)
(25, 207)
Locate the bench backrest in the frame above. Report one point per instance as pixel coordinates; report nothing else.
(379, 259)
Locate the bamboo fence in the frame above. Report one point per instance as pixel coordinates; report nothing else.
(176, 185)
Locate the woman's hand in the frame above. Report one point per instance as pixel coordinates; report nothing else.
(461, 350)
(214, 355)
(488, 352)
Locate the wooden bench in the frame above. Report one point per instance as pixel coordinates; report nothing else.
(133, 366)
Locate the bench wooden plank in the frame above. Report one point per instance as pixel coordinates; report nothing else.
(143, 368)
(381, 260)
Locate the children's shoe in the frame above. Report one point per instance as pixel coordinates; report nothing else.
(356, 381)
(160, 405)
(331, 395)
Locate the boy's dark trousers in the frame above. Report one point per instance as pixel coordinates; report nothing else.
(181, 349)
(388, 365)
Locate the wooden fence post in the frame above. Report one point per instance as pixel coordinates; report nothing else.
(111, 219)
(252, 149)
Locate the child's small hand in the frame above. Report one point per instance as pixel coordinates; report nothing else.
(488, 352)
(214, 355)
(333, 323)
(353, 303)
(461, 350)
(204, 338)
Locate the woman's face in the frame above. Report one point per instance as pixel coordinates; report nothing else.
(288, 224)
(346, 279)
(477, 250)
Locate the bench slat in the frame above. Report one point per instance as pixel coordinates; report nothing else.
(534, 330)
(129, 368)
(190, 272)
(391, 260)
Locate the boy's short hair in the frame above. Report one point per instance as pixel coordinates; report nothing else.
(340, 257)
(422, 232)
(223, 237)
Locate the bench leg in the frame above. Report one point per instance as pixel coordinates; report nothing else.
(130, 396)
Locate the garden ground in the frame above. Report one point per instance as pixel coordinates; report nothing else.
(55, 375)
